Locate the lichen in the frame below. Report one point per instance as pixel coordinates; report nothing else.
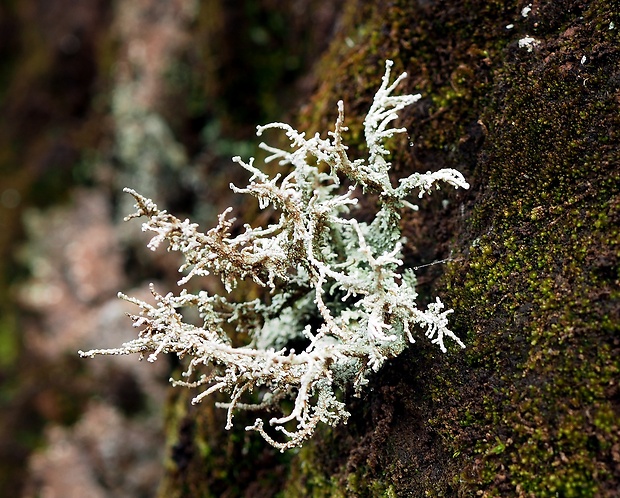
(333, 281)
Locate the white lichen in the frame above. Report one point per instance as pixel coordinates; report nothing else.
(526, 10)
(528, 43)
(336, 285)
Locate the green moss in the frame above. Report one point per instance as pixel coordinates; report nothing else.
(9, 342)
(539, 281)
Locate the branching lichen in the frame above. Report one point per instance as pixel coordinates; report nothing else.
(335, 282)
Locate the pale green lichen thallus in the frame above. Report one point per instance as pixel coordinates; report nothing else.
(336, 283)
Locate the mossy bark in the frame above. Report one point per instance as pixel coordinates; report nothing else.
(532, 406)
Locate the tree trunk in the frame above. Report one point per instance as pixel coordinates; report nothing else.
(523, 99)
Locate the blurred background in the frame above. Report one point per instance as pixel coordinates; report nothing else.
(94, 96)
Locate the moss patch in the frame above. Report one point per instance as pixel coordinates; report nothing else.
(539, 280)
(531, 407)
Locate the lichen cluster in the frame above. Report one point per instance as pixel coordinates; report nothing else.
(335, 283)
